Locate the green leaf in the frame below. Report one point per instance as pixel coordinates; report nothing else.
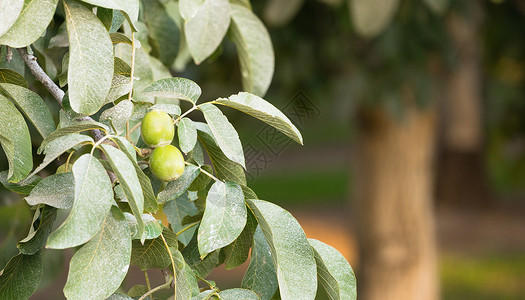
(186, 281)
(31, 23)
(245, 3)
(119, 297)
(225, 169)
(206, 27)
(21, 276)
(118, 37)
(236, 253)
(99, 267)
(152, 227)
(118, 115)
(174, 88)
(224, 133)
(175, 211)
(90, 68)
(10, 11)
(15, 140)
(334, 272)
(177, 187)
(150, 200)
(437, 6)
(254, 48)
(10, 76)
(292, 255)
(261, 276)
(56, 190)
(187, 134)
(32, 106)
(129, 7)
(153, 254)
(172, 109)
(19, 188)
(371, 17)
(121, 68)
(162, 30)
(120, 85)
(93, 199)
(224, 217)
(40, 228)
(129, 181)
(264, 111)
(58, 146)
(235, 294)
(78, 126)
(202, 180)
(208, 294)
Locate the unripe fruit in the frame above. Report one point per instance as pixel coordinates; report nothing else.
(166, 163)
(157, 129)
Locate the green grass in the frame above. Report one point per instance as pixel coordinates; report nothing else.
(495, 277)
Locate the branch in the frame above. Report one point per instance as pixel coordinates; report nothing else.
(41, 76)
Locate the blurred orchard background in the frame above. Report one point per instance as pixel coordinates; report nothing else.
(413, 164)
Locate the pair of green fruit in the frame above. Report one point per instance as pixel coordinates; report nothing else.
(157, 131)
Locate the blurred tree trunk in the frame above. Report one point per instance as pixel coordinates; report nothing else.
(394, 198)
(461, 177)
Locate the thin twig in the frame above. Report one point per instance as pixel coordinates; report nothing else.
(203, 171)
(172, 264)
(187, 227)
(148, 285)
(160, 287)
(40, 75)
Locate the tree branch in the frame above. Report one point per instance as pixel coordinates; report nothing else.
(41, 76)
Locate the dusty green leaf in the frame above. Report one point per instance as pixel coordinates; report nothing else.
(177, 187)
(225, 169)
(118, 115)
(334, 272)
(202, 180)
(261, 276)
(172, 109)
(19, 188)
(118, 37)
(30, 24)
(90, 69)
(187, 134)
(175, 211)
(10, 76)
(371, 17)
(99, 267)
(186, 281)
(120, 85)
(120, 68)
(56, 190)
(129, 181)
(264, 111)
(292, 255)
(40, 229)
(237, 252)
(77, 126)
(153, 253)
(206, 27)
(162, 30)
(129, 7)
(21, 276)
(245, 3)
(32, 106)
(10, 11)
(224, 217)
(93, 199)
(150, 200)
(15, 141)
(152, 226)
(224, 133)
(58, 146)
(236, 294)
(174, 88)
(254, 48)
